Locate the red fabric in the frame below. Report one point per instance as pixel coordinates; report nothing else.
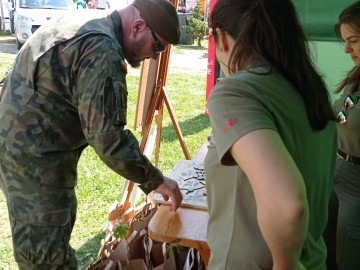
(210, 80)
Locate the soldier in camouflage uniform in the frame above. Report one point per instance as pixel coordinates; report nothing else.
(67, 90)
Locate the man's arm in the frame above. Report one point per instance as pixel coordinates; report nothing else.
(102, 106)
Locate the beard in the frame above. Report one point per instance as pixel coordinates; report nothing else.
(134, 63)
(132, 56)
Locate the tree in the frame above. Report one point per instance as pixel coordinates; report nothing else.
(196, 27)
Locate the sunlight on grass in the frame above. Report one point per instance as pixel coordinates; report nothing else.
(5, 63)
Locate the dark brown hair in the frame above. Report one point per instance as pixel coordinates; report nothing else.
(271, 28)
(350, 16)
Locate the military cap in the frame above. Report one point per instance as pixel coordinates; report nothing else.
(161, 16)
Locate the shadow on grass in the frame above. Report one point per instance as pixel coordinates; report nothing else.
(8, 44)
(192, 47)
(89, 249)
(187, 127)
(179, 49)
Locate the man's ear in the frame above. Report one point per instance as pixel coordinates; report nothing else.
(138, 26)
(223, 42)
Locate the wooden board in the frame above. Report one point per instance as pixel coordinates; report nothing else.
(148, 76)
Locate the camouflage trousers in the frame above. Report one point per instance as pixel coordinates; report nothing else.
(42, 247)
(42, 217)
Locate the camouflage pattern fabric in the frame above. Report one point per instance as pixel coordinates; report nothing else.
(66, 90)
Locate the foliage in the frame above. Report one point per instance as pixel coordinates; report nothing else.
(5, 33)
(196, 27)
(121, 230)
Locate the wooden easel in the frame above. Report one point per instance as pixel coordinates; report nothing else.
(152, 95)
(156, 106)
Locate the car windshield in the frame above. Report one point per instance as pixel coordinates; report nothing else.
(46, 4)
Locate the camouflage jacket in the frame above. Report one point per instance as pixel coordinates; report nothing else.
(67, 90)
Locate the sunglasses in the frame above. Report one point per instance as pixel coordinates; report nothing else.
(349, 102)
(158, 47)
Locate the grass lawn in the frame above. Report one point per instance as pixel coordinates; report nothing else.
(98, 187)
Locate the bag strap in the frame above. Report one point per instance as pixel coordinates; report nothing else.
(148, 245)
(190, 260)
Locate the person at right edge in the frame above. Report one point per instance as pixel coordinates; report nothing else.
(270, 163)
(343, 231)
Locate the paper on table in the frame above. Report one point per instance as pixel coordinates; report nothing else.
(191, 180)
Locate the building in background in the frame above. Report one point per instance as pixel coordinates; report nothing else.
(119, 4)
(187, 6)
(5, 16)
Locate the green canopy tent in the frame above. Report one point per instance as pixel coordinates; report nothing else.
(318, 18)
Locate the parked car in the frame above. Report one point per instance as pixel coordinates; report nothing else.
(29, 15)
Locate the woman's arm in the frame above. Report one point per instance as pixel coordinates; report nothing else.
(280, 194)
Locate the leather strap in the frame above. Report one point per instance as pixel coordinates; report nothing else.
(348, 157)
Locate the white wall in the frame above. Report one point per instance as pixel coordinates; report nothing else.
(119, 4)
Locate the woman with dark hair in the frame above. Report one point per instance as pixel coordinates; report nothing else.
(346, 230)
(270, 163)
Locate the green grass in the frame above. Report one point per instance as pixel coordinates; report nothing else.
(98, 187)
(4, 33)
(5, 63)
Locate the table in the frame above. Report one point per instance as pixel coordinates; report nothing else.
(186, 226)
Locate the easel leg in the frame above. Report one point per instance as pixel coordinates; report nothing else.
(205, 255)
(158, 120)
(175, 124)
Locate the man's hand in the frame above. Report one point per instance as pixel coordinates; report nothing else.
(170, 189)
